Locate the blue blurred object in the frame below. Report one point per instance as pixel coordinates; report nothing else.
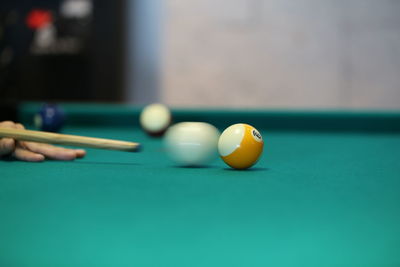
(50, 118)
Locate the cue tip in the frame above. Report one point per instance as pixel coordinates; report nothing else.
(138, 148)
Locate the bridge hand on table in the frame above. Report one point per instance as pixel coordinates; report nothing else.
(32, 151)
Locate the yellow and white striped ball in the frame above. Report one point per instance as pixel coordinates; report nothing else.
(240, 146)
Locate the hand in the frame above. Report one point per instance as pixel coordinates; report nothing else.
(31, 151)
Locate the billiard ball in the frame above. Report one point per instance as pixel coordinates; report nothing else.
(192, 143)
(155, 119)
(240, 146)
(50, 118)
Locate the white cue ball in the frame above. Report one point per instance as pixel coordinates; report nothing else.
(192, 143)
(155, 119)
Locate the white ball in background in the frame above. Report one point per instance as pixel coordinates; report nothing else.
(155, 119)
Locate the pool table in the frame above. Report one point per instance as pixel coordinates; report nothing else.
(326, 192)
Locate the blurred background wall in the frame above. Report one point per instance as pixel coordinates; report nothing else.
(214, 53)
(270, 53)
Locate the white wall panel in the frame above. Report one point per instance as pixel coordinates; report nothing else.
(280, 53)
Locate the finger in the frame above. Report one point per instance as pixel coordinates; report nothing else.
(26, 155)
(7, 124)
(80, 153)
(19, 126)
(35, 145)
(7, 145)
(50, 151)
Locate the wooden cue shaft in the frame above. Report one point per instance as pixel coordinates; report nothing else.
(65, 139)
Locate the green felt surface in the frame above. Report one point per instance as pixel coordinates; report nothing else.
(316, 198)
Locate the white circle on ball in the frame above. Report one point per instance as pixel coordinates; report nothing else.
(155, 117)
(192, 143)
(256, 135)
(230, 139)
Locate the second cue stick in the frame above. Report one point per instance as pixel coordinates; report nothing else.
(69, 140)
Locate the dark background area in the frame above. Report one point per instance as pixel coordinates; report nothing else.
(92, 72)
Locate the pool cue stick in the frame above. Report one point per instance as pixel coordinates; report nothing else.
(69, 140)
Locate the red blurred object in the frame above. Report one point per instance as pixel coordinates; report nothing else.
(38, 18)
